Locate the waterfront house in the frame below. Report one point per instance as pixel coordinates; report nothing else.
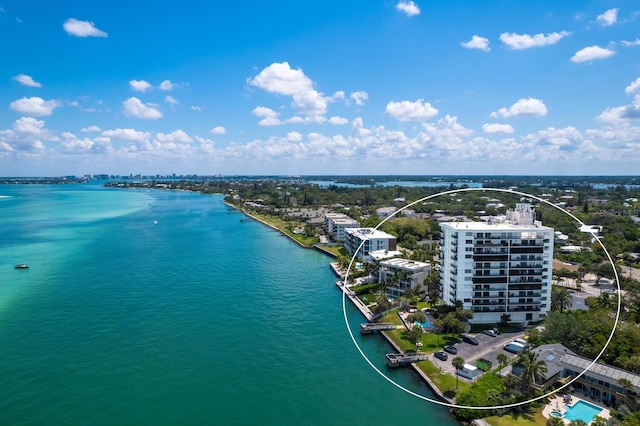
(402, 274)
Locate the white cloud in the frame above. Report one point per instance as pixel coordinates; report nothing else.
(29, 126)
(78, 28)
(195, 108)
(635, 42)
(336, 121)
(477, 42)
(633, 87)
(166, 85)
(177, 136)
(338, 96)
(411, 111)
(218, 130)
(171, 100)
(608, 18)
(359, 97)
(591, 53)
(280, 78)
(127, 135)
(529, 107)
(294, 137)
(526, 41)
(622, 113)
(133, 107)
(91, 129)
(26, 80)
(34, 106)
(566, 139)
(269, 116)
(497, 128)
(139, 85)
(408, 7)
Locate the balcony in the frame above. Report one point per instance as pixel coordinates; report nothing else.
(488, 309)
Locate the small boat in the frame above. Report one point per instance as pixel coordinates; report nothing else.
(155, 222)
(21, 266)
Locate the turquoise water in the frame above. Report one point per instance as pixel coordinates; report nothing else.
(424, 324)
(582, 410)
(198, 319)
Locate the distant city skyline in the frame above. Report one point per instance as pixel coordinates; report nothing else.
(313, 88)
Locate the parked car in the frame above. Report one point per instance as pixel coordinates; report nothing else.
(441, 355)
(469, 339)
(490, 332)
(451, 349)
(496, 330)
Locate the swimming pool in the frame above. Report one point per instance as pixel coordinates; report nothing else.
(582, 410)
(425, 324)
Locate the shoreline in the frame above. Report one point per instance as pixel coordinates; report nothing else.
(364, 311)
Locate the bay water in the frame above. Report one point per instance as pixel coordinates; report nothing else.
(164, 307)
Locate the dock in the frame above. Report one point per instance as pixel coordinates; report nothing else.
(370, 328)
(399, 360)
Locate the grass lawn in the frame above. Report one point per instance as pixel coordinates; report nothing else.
(283, 226)
(445, 382)
(533, 418)
(336, 250)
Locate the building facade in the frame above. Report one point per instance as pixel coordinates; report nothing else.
(499, 269)
(402, 274)
(361, 241)
(335, 225)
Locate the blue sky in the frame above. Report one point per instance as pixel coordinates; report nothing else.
(320, 87)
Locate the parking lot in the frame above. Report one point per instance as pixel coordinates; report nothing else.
(488, 348)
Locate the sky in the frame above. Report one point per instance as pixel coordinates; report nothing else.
(388, 87)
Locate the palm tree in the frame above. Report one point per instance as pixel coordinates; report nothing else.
(554, 421)
(533, 370)
(502, 358)
(577, 422)
(458, 364)
(561, 299)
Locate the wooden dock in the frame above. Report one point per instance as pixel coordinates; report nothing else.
(369, 328)
(400, 360)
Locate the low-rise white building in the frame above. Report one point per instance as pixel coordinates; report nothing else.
(361, 241)
(402, 274)
(335, 225)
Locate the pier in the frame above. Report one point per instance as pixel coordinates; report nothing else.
(399, 360)
(369, 328)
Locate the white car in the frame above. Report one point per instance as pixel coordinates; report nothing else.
(489, 332)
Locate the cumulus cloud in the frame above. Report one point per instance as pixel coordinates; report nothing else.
(529, 107)
(139, 85)
(133, 107)
(91, 129)
(622, 113)
(171, 100)
(29, 126)
(408, 7)
(294, 136)
(608, 18)
(497, 128)
(281, 79)
(166, 85)
(526, 41)
(195, 108)
(477, 42)
(633, 87)
(132, 135)
(218, 130)
(336, 121)
(411, 111)
(591, 53)
(177, 136)
(269, 116)
(34, 106)
(359, 97)
(566, 139)
(26, 80)
(635, 42)
(78, 28)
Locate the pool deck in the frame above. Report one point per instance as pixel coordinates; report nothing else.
(557, 402)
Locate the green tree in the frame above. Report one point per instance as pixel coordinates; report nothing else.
(598, 421)
(415, 333)
(458, 364)
(561, 299)
(502, 358)
(577, 422)
(554, 421)
(533, 370)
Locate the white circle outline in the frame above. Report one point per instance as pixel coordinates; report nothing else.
(450, 405)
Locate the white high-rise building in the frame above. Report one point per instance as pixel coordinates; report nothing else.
(500, 269)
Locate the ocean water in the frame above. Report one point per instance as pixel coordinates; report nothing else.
(199, 318)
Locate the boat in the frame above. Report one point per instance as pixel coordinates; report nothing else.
(21, 266)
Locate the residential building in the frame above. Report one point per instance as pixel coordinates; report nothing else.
(362, 241)
(600, 382)
(385, 212)
(335, 225)
(499, 269)
(402, 274)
